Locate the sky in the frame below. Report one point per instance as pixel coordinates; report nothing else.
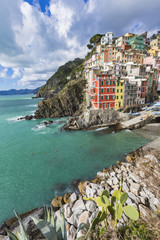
(38, 36)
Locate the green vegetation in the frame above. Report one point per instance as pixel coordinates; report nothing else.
(95, 40)
(136, 230)
(19, 236)
(114, 207)
(63, 75)
(50, 226)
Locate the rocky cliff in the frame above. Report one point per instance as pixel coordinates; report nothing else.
(90, 118)
(66, 103)
(64, 74)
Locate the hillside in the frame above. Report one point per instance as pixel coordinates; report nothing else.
(58, 80)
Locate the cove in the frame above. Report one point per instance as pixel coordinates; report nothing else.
(38, 162)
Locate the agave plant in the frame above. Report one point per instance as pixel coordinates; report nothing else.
(19, 236)
(50, 226)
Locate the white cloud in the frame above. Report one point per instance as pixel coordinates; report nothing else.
(3, 73)
(35, 44)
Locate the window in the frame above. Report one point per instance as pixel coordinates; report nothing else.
(121, 90)
(101, 90)
(106, 97)
(113, 82)
(130, 71)
(101, 82)
(107, 90)
(101, 97)
(109, 53)
(117, 90)
(121, 97)
(106, 82)
(117, 97)
(113, 89)
(121, 84)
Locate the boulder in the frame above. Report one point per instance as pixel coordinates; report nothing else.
(73, 198)
(66, 197)
(71, 233)
(79, 205)
(57, 202)
(134, 188)
(84, 218)
(82, 186)
(91, 206)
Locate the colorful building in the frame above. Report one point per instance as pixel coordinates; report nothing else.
(103, 91)
(107, 39)
(123, 39)
(155, 43)
(137, 42)
(119, 94)
(110, 53)
(129, 56)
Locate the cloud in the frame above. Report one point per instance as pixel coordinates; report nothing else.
(35, 43)
(3, 73)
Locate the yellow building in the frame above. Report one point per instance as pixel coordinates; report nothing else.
(155, 43)
(119, 94)
(128, 56)
(155, 52)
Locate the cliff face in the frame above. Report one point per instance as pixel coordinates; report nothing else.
(63, 75)
(66, 103)
(91, 118)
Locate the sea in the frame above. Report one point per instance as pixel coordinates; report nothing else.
(40, 162)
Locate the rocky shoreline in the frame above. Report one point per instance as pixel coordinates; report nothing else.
(141, 175)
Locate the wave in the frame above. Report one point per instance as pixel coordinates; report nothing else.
(32, 105)
(15, 119)
(99, 129)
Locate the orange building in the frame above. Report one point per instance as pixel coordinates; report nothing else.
(103, 91)
(110, 53)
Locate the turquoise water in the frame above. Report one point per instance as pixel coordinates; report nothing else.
(37, 163)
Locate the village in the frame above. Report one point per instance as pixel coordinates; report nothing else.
(123, 73)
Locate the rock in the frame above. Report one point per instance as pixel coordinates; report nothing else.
(71, 233)
(90, 192)
(129, 202)
(115, 181)
(67, 211)
(72, 198)
(66, 197)
(154, 203)
(29, 117)
(144, 211)
(101, 175)
(123, 169)
(66, 103)
(96, 180)
(125, 187)
(128, 158)
(93, 216)
(57, 202)
(134, 188)
(75, 218)
(84, 218)
(82, 186)
(109, 181)
(133, 197)
(149, 193)
(79, 205)
(135, 178)
(144, 200)
(91, 206)
(112, 174)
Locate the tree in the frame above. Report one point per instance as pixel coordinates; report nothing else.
(89, 46)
